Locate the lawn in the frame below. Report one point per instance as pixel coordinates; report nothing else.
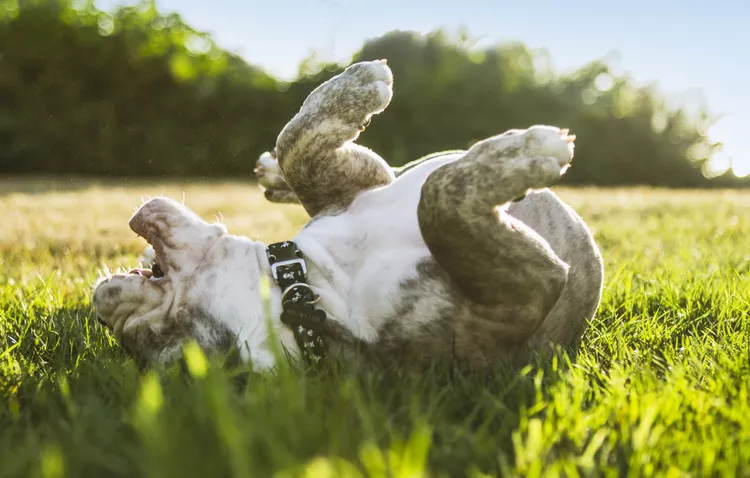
(659, 386)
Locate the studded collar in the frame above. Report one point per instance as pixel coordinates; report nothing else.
(298, 300)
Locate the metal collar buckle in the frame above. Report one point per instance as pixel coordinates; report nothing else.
(315, 297)
(275, 266)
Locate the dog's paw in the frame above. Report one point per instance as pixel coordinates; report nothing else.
(551, 142)
(360, 91)
(535, 158)
(268, 172)
(281, 196)
(269, 176)
(543, 155)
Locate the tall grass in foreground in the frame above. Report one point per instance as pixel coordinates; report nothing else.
(659, 386)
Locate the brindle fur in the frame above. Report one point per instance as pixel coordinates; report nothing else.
(315, 150)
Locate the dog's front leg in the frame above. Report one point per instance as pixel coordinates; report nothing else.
(508, 270)
(315, 152)
(276, 190)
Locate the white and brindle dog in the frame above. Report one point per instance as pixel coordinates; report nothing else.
(463, 255)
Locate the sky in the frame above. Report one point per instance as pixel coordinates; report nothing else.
(694, 50)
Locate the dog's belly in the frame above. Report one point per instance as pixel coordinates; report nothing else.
(373, 258)
(378, 277)
(363, 277)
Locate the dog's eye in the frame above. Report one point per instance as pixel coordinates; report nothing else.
(156, 269)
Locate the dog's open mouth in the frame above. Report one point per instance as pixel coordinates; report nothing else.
(154, 271)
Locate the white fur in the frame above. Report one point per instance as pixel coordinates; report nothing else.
(205, 268)
(356, 261)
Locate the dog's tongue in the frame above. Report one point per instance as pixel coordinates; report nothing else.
(148, 273)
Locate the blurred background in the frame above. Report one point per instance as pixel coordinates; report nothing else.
(655, 91)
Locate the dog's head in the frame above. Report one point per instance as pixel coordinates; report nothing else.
(205, 285)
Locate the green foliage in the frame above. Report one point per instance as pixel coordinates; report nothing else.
(135, 92)
(450, 96)
(659, 386)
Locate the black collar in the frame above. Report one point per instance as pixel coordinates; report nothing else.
(298, 299)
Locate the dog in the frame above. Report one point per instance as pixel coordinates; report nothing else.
(465, 256)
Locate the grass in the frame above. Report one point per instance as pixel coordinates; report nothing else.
(659, 387)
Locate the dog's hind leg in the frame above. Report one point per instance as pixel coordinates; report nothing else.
(319, 162)
(509, 271)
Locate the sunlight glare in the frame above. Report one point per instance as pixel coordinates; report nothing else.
(735, 150)
(718, 164)
(740, 166)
